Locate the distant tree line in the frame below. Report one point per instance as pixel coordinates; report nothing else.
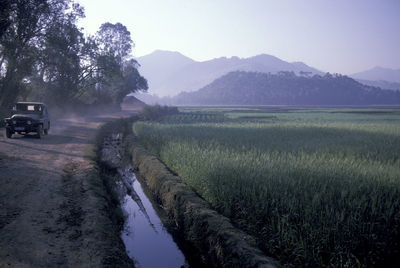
(44, 56)
(286, 88)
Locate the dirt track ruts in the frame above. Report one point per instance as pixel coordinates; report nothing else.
(49, 214)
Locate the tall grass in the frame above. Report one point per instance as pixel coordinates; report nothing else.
(313, 194)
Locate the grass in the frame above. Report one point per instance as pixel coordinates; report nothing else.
(315, 187)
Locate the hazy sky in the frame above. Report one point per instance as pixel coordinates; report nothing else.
(343, 36)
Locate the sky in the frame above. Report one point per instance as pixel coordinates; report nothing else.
(337, 36)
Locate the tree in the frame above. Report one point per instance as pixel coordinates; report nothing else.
(59, 68)
(306, 74)
(45, 56)
(22, 43)
(117, 73)
(132, 81)
(5, 8)
(17, 47)
(115, 40)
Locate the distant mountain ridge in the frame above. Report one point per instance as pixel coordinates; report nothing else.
(379, 73)
(159, 65)
(286, 88)
(169, 73)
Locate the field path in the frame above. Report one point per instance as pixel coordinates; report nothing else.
(45, 214)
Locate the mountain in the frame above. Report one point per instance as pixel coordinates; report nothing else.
(379, 73)
(381, 83)
(158, 66)
(286, 88)
(169, 73)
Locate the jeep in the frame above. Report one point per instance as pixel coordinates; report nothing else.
(28, 117)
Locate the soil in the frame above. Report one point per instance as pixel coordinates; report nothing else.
(53, 207)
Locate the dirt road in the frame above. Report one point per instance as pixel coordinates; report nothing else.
(52, 214)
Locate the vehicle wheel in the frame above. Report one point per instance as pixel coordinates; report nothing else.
(8, 133)
(39, 132)
(46, 130)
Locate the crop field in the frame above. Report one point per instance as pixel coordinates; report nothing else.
(315, 187)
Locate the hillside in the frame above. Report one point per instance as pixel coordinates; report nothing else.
(381, 83)
(379, 73)
(169, 73)
(286, 88)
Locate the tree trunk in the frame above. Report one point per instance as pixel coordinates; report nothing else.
(10, 88)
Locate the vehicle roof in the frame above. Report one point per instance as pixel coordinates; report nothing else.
(31, 102)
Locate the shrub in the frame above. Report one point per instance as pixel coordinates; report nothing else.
(155, 112)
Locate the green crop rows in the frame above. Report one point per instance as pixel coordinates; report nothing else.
(315, 187)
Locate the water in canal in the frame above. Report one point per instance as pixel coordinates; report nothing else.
(146, 239)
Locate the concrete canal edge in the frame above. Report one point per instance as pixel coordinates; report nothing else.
(210, 233)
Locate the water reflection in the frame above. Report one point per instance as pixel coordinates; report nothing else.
(144, 236)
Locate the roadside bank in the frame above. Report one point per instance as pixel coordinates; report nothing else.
(216, 242)
(147, 239)
(213, 235)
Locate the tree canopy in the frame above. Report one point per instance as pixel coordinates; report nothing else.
(44, 56)
(285, 88)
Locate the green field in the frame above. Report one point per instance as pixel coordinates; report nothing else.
(315, 187)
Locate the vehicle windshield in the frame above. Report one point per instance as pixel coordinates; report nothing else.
(27, 108)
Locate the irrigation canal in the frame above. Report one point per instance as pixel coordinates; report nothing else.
(147, 240)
